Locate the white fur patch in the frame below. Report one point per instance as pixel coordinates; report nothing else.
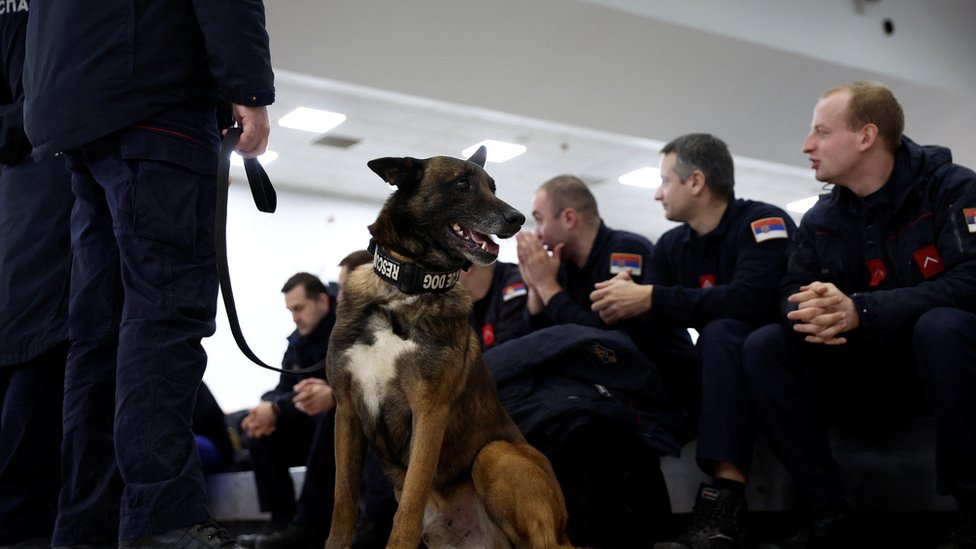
(373, 367)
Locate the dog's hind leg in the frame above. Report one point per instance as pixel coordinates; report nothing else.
(350, 450)
(521, 494)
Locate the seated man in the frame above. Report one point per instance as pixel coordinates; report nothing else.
(570, 251)
(880, 300)
(718, 273)
(279, 431)
(604, 448)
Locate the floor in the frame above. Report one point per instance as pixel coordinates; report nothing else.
(926, 530)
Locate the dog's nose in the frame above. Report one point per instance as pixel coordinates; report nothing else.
(514, 217)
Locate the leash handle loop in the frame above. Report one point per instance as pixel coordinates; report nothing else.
(266, 201)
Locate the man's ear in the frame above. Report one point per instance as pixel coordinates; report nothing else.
(401, 172)
(696, 182)
(569, 217)
(867, 136)
(324, 302)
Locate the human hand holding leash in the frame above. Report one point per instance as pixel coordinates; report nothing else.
(823, 312)
(255, 130)
(313, 396)
(620, 298)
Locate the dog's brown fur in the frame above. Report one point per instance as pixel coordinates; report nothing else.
(409, 379)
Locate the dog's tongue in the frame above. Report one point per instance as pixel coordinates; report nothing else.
(483, 240)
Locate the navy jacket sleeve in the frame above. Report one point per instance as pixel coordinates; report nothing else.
(750, 295)
(14, 146)
(235, 37)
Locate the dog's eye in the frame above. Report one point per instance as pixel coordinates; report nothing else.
(462, 184)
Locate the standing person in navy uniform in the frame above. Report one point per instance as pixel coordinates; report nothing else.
(499, 295)
(129, 94)
(879, 302)
(719, 273)
(35, 262)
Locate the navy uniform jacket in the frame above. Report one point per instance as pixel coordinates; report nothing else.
(734, 271)
(908, 248)
(500, 315)
(118, 62)
(613, 251)
(302, 352)
(35, 202)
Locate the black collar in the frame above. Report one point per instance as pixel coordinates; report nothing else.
(409, 277)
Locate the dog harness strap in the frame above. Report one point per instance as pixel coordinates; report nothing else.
(409, 277)
(265, 200)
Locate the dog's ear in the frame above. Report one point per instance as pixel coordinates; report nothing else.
(401, 172)
(479, 156)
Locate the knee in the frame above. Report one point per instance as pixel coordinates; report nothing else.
(944, 340)
(724, 331)
(943, 324)
(761, 350)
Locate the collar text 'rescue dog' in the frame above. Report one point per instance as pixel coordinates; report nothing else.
(408, 277)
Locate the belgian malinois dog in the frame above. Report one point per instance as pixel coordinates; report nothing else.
(409, 378)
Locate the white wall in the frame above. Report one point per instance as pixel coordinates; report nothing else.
(307, 233)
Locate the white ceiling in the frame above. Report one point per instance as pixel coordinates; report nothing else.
(595, 87)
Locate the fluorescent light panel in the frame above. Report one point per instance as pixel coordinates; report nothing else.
(645, 178)
(498, 151)
(311, 120)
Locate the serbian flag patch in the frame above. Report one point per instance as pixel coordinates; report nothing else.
(512, 291)
(970, 215)
(768, 228)
(620, 262)
(929, 261)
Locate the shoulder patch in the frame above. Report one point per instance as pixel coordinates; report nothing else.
(512, 291)
(970, 215)
(768, 228)
(620, 262)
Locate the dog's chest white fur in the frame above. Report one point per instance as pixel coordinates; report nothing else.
(373, 366)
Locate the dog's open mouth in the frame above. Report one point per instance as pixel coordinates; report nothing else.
(474, 239)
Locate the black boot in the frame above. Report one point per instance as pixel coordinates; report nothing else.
(828, 529)
(718, 522)
(963, 535)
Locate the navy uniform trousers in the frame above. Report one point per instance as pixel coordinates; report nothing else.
(799, 388)
(725, 427)
(143, 294)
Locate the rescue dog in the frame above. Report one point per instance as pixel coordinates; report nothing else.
(409, 378)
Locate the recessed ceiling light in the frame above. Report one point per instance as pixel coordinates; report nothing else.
(802, 205)
(311, 120)
(265, 159)
(645, 178)
(498, 151)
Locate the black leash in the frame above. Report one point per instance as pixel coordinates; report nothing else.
(267, 201)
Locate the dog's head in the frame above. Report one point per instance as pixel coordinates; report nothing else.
(443, 212)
